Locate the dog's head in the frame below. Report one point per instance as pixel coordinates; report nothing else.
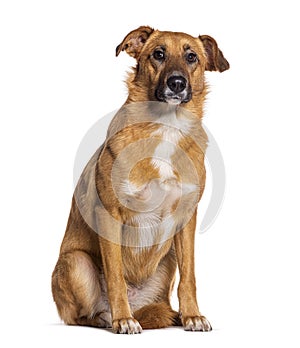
(170, 66)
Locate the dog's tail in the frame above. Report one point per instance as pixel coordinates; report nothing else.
(157, 316)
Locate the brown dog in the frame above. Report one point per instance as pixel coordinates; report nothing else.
(133, 214)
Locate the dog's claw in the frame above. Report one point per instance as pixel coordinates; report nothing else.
(198, 323)
(126, 326)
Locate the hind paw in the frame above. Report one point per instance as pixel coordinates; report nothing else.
(126, 326)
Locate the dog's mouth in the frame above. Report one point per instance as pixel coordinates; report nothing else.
(177, 99)
(175, 91)
(172, 98)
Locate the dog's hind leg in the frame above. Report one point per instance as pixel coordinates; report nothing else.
(77, 292)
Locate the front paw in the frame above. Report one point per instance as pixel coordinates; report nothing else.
(126, 326)
(198, 323)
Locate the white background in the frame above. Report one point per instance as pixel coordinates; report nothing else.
(59, 74)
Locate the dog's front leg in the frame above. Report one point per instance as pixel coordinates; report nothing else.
(192, 320)
(122, 320)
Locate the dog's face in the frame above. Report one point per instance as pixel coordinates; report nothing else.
(170, 66)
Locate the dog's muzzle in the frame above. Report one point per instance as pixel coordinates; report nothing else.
(175, 90)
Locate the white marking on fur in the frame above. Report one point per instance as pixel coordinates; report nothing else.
(163, 165)
(170, 122)
(129, 326)
(130, 188)
(189, 188)
(148, 225)
(149, 221)
(153, 201)
(197, 324)
(206, 323)
(171, 131)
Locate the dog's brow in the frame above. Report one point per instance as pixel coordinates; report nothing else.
(186, 47)
(162, 47)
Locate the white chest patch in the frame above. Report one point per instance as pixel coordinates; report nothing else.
(153, 223)
(171, 131)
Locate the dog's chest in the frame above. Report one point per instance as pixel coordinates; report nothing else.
(154, 174)
(162, 157)
(155, 187)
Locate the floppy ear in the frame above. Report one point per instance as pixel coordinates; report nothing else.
(215, 59)
(134, 41)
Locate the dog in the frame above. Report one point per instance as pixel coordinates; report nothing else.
(133, 215)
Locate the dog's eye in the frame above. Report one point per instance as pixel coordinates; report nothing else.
(191, 57)
(159, 55)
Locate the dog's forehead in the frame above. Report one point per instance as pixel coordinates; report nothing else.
(174, 41)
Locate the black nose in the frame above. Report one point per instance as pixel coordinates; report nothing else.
(176, 83)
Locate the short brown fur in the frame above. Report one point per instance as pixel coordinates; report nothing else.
(102, 283)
